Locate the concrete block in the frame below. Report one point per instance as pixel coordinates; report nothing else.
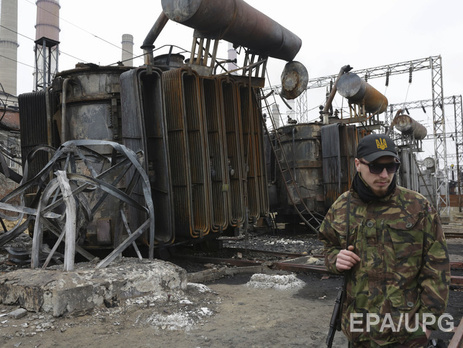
(18, 313)
(59, 292)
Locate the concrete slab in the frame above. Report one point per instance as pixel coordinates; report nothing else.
(59, 292)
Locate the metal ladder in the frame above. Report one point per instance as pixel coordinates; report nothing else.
(291, 185)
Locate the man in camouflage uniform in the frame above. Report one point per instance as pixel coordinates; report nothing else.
(396, 260)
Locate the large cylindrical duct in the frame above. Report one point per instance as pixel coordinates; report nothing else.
(237, 22)
(47, 20)
(9, 45)
(359, 92)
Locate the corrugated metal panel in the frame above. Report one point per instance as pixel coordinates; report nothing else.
(217, 153)
(33, 128)
(301, 144)
(189, 158)
(251, 148)
(229, 99)
(144, 128)
(260, 159)
(339, 143)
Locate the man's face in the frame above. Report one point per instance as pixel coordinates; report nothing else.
(378, 183)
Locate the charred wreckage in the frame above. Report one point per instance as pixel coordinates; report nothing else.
(177, 150)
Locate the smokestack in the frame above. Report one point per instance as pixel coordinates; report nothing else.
(8, 46)
(46, 42)
(47, 24)
(127, 49)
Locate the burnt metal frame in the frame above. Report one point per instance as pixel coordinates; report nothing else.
(144, 127)
(186, 138)
(434, 63)
(45, 217)
(231, 109)
(199, 59)
(215, 124)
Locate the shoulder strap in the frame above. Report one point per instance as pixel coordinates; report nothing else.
(348, 220)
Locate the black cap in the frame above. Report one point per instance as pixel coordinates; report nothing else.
(374, 146)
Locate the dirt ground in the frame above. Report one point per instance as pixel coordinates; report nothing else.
(251, 308)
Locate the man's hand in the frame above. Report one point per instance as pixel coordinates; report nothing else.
(346, 259)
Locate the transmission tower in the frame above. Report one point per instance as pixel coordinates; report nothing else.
(457, 107)
(457, 135)
(434, 64)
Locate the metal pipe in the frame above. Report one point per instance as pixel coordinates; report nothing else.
(236, 22)
(148, 43)
(49, 117)
(63, 110)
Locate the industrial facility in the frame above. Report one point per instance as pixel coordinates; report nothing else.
(186, 147)
(109, 172)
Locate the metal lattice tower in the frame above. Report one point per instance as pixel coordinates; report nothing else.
(423, 104)
(433, 63)
(457, 107)
(301, 107)
(440, 145)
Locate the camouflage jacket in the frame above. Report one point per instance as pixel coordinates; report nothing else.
(404, 269)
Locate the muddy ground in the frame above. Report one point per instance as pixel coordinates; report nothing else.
(245, 307)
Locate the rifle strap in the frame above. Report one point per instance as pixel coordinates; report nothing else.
(344, 286)
(348, 220)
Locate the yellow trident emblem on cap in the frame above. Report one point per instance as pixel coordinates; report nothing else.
(381, 144)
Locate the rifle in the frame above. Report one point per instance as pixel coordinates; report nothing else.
(335, 322)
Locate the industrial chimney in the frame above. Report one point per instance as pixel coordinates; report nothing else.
(8, 49)
(46, 42)
(127, 50)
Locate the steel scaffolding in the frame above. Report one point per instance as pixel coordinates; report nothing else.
(433, 63)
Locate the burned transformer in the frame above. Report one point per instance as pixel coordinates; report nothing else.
(167, 152)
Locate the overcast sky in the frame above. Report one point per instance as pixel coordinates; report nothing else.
(362, 33)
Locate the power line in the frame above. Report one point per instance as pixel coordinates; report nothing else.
(16, 32)
(80, 28)
(16, 61)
